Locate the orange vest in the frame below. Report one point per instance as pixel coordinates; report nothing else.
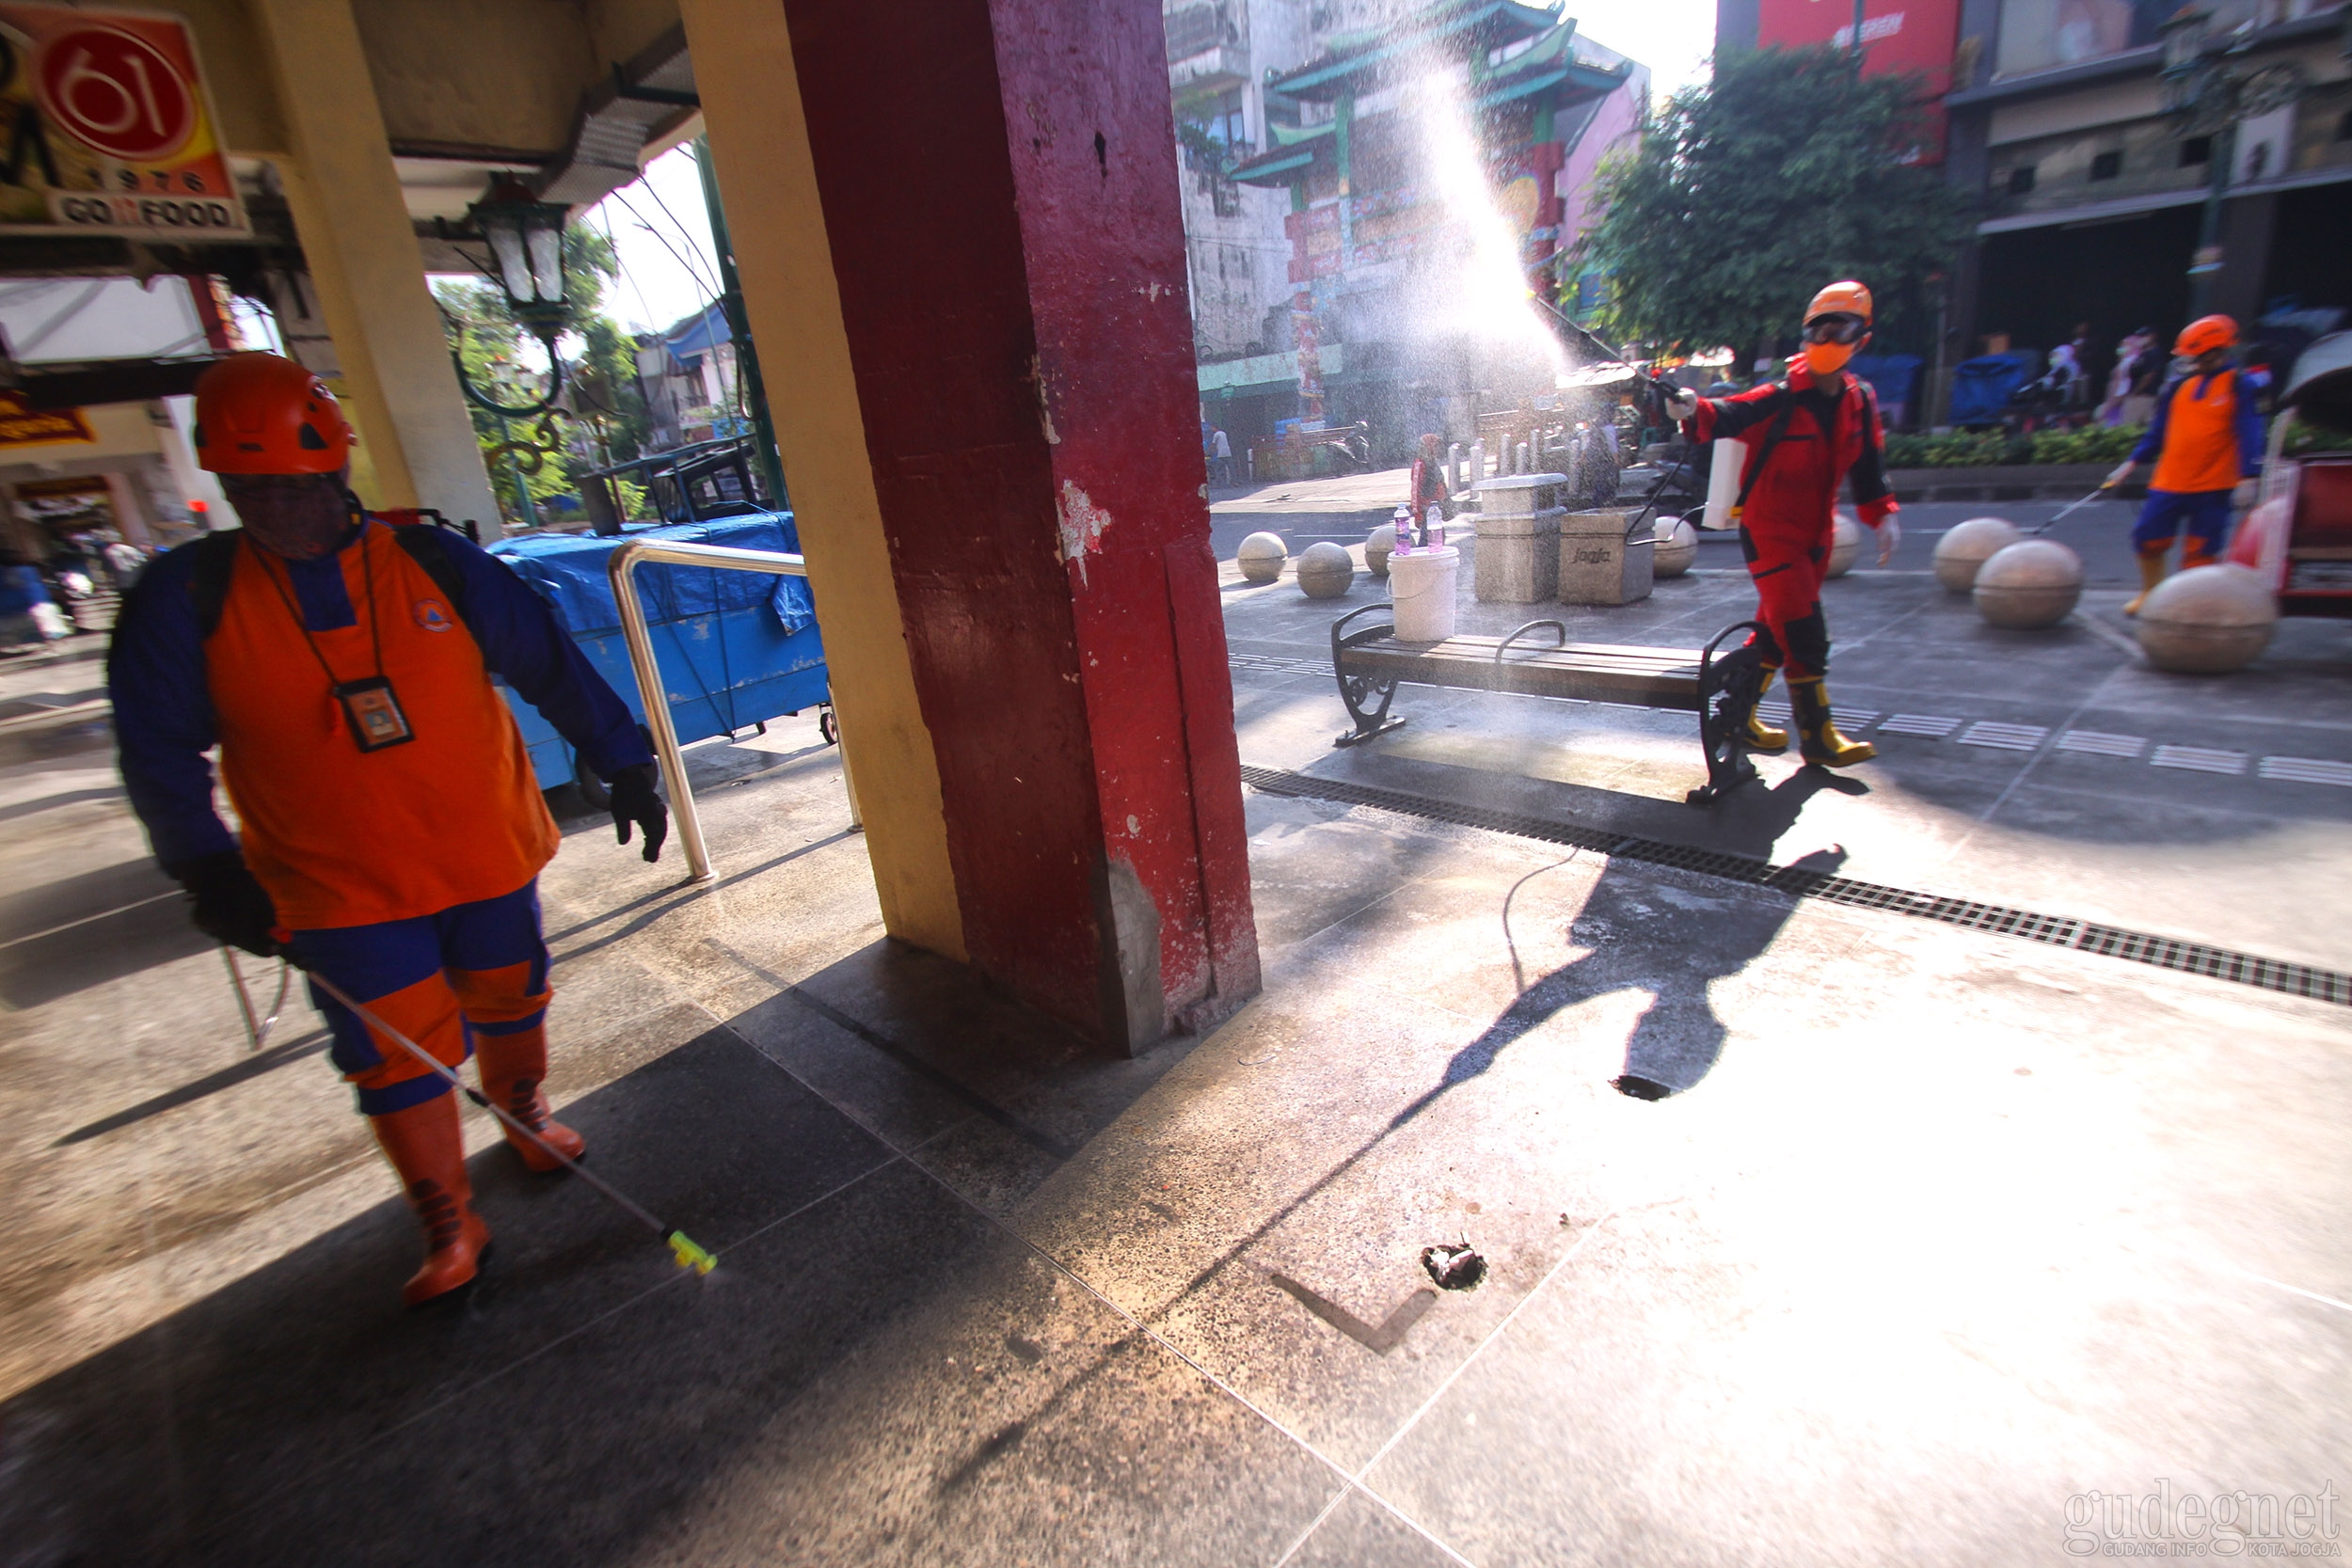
(2199, 436)
(346, 837)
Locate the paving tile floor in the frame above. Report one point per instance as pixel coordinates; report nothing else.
(1937, 1234)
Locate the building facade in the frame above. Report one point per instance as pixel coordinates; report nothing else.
(1371, 177)
(2093, 197)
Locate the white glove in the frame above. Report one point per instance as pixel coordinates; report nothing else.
(1890, 534)
(2123, 472)
(2243, 498)
(1682, 403)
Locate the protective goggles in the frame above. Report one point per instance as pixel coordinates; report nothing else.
(1837, 327)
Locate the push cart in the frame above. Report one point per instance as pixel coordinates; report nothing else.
(736, 650)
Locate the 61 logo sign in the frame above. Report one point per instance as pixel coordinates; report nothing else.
(107, 126)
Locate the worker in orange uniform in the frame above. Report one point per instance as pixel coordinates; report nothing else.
(2207, 441)
(1819, 424)
(392, 831)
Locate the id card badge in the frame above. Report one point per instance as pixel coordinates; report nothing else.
(374, 714)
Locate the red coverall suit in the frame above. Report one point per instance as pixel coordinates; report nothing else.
(1785, 528)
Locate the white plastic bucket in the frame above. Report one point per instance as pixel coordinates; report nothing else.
(1422, 585)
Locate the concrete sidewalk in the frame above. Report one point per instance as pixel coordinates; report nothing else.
(1942, 1232)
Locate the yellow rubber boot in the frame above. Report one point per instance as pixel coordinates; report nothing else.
(2151, 574)
(1818, 740)
(1760, 735)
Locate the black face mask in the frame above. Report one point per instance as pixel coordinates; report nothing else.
(296, 516)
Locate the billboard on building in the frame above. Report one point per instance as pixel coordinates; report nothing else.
(1898, 36)
(22, 425)
(105, 127)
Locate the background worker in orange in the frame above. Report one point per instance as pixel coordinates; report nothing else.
(2207, 441)
(1818, 426)
(392, 831)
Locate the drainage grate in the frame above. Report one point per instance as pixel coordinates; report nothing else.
(2088, 936)
(2201, 759)
(1920, 724)
(2307, 771)
(2102, 745)
(2007, 737)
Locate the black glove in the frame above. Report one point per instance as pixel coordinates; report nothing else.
(634, 801)
(226, 904)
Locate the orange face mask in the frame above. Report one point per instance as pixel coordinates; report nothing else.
(1824, 359)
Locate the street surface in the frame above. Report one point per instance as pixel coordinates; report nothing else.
(1945, 1242)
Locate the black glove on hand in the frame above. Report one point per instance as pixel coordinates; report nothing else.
(634, 801)
(226, 904)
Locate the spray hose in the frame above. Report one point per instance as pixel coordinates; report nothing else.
(683, 1248)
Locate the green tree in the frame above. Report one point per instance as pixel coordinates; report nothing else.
(609, 416)
(1785, 172)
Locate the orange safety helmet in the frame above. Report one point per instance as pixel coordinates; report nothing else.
(262, 414)
(1848, 298)
(2204, 335)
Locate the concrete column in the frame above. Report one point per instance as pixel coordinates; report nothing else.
(1002, 491)
(2247, 225)
(417, 445)
(130, 509)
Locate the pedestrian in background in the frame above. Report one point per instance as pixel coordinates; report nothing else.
(1221, 460)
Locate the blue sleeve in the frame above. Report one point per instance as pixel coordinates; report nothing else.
(2250, 430)
(2152, 445)
(163, 710)
(522, 642)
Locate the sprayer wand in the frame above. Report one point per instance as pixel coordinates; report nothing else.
(682, 1247)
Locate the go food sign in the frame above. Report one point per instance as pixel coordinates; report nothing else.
(105, 127)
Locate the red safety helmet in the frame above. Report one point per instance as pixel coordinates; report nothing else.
(261, 414)
(2204, 335)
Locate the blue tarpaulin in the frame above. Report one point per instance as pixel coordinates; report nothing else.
(1896, 379)
(568, 570)
(735, 648)
(1980, 386)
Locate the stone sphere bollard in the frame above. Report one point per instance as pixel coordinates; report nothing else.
(1326, 571)
(1678, 547)
(1378, 545)
(2034, 583)
(2208, 621)
(1846, 539)
(1967, 546)
(1260, 557)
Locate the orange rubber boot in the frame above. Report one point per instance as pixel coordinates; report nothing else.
(513, 1067)
(428, 1151)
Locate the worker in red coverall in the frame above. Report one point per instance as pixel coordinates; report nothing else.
(1431, 485)
(391, 831)
(1817, 427)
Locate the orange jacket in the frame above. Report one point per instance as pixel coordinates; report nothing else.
(346, 837)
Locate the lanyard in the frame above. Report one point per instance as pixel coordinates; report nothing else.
(376, 628)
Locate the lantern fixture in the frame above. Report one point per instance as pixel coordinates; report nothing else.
(525, 240)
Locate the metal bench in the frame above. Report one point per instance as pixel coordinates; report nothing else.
(1720, 685)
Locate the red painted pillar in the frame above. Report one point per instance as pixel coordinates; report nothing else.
(999, 187)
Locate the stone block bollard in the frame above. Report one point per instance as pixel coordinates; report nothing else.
(1598, 564)
(1453, 469)
(1517, 560)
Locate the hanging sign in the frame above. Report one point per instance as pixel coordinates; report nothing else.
(21, 426)
(105, 127)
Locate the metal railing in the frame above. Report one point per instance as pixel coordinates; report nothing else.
(623, 568)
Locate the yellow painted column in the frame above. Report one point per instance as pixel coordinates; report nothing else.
(418, 443)
(760, 142)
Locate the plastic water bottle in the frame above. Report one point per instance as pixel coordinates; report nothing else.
(1402, 523)
(1433, 527)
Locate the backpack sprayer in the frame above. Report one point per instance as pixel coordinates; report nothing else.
(682, 1247)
